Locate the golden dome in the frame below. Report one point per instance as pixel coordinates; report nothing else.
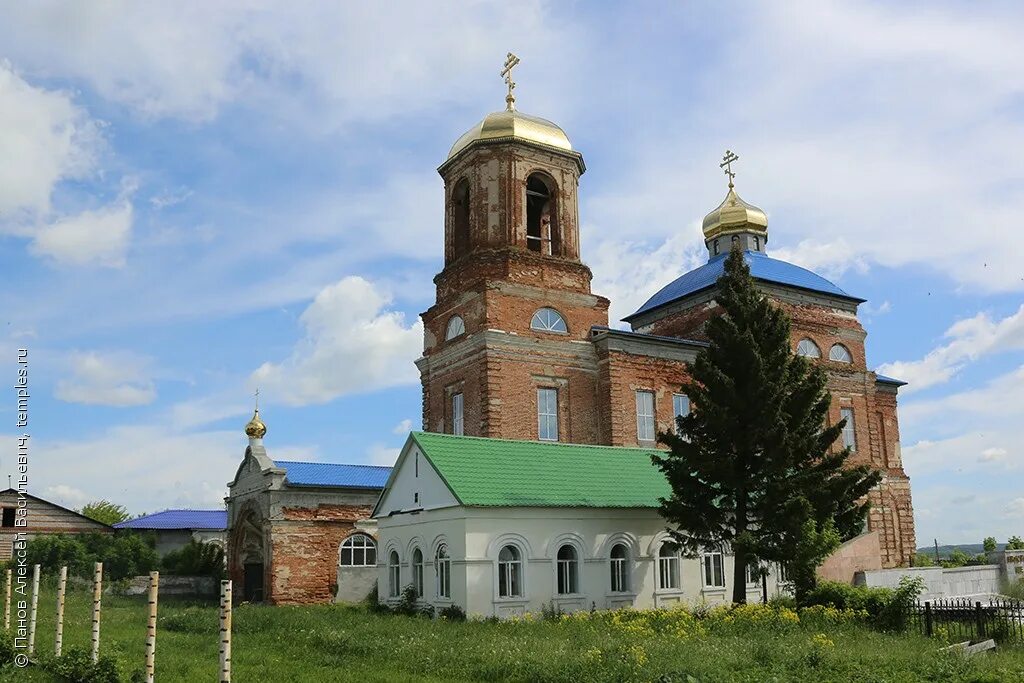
(255, 429)
(734, 215)
(512, 124)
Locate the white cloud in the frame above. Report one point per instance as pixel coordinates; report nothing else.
(110, 379)
(993, 454)
(403, 427)
(45, 138)
(830, 259)
(1015, 508)
(98, 237)
(65, 495)
(380, 454)
(969, 339)
(352, 344)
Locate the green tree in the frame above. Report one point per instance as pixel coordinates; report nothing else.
(106, 512)
(195, 559)
(957, 558)
(754, 465)
(923, 560)
(989, 544)
(1015, 543)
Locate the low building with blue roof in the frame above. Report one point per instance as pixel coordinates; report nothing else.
(300, 532)
(174, 529)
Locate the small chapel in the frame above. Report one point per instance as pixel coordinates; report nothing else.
(531, 482)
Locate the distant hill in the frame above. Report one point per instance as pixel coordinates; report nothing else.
(947, 550)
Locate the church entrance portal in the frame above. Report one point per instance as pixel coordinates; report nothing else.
(253, 588)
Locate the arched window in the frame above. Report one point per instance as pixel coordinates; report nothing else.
(394, 575)
(619, 561)
(715, 246)
(542, 233)
(840, 354)
(456, 326)
(808, 348)
(548, 320)
(358, 550)
(668, 566)
(417, 572)
(443, 572)
(735, 242)
(757, 243)
(568, 570)
(460, 223)
(510, 572)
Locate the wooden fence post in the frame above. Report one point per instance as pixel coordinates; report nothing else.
(225, 631)
(154, 583)
(97, 594)
(928, 618)
(62, 584)
(7, 602)
(979, 620)
(32, 612)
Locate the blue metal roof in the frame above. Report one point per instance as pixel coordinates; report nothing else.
(334, 474)
(179, 519)
(762, 267)
(889, 380)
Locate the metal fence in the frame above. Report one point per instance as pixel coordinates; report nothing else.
(963, 619)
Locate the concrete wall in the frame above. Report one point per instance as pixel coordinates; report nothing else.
(355, 583)
(939, 582)
(856, 555)
(475, 535)
(174, 585)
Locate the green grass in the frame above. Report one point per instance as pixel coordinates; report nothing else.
(336, 643)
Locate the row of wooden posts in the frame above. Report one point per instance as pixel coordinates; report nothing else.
(97, 593)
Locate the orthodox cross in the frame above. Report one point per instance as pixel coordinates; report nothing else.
(506, 73)
(727, 165)
(257, 395)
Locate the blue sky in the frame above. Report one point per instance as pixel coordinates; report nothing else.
(198, 199)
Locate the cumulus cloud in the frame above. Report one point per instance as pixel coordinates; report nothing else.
(380, 454)
(403, 427)
(46, 138)
(969, 339)
(97, 237)
(109, 379)
(351, 344)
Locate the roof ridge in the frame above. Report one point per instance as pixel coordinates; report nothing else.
(185, 510)
(339, 464)
(539, 443)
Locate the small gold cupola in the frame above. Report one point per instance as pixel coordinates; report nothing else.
(255, 429)
(734, 222)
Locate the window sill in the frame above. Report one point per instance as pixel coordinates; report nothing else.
(669, 591)
(713, 589)
(569, 596)
(613, 594)
(511, 601)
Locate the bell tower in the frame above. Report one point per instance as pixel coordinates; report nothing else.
(513, 299)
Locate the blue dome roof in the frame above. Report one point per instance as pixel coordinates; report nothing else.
(762, 267)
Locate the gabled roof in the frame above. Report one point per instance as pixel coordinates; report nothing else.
(503, 473)
(762, 267)
(179, 519)
(50, 502)
(334, 474)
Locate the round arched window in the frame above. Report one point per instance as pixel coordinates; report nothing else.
(568, 570)
(510, 572)
(548, 320)
(808, 349)
(358, 550)
(840, 354)
(456, 326)
(619, 561)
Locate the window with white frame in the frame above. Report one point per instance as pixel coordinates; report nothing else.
(783, 573)
(394, 575)
(619, 561)
(456, 326)
(417, 572)
(668, 566)
(680, 408)
(849, 433)
(808, 349)
(443, 572)
(568, 570)
(548, 320)
(753, 573)
(645, 415)
(840, 354)
(547, 414)
(510, 572)
(458, 424)
(713, 570)
(358, 550)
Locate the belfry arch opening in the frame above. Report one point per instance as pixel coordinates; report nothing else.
(460, 222)
(542, 233)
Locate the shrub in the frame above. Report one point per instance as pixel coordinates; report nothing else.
(452, 613)
(896, 613)
(551, 612)
(408, 604)
(196, 559)
(76, 665)
(843, 596)
(122, 555)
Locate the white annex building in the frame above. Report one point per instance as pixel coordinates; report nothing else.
(502, 527)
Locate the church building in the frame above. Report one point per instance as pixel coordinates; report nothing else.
(518, 352)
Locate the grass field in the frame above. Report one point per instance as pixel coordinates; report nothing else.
(334, 643)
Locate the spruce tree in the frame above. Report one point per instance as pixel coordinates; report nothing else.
(755, 466)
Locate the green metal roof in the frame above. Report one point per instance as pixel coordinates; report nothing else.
(503, 473)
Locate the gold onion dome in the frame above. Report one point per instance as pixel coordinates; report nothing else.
(255, 429)
(513, 125)
(734, 215)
